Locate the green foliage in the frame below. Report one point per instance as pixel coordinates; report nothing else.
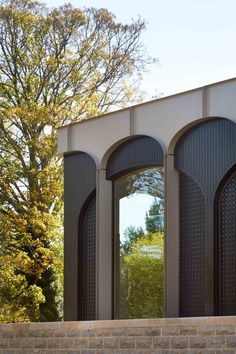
(131, 235)
(16, 296)
(154, 220)
(56, 66)
(142, 272)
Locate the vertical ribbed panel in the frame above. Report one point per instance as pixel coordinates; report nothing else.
(88, 264)
(227, 248)
(136, 153)
(192, 249)
(204, 153)
(79, 182)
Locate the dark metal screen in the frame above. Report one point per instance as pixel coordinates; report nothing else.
(80, 182)
(136, 153)
(227, 248)
(192, 249)
(88, 264)
(205, 153)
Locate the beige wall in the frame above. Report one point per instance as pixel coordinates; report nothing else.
(161, 119)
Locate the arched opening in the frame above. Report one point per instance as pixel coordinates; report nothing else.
(139, 244)
(136, 169)
(225, 246)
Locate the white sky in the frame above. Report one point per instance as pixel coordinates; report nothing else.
(194, 40)
(133, 211)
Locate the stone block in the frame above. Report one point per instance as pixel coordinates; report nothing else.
(144, 342)
(170, 331)
(119, 332)
(7, 334)
(161, 342)
(198, 342)
(4, 343)
(53, 343)
(103, 332)
(67, 343)
(127, 343)
(88, 332)
(231, 342)
(40, 343)
(27, 343)
(80, 343)
(188, 331)
(47, 333)
(96, 343)
(14, 343)
(153, 331)
(73, 333)
(179, 342)
(110, 343)
(225, 330)
(136, 331)
(216, 342)
(207, 330)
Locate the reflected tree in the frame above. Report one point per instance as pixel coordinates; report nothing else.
(149, 181)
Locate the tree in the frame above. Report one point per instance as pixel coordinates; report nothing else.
(142, 276)
(149, 181)
(131, 235)
(154, 220)
(56, 66)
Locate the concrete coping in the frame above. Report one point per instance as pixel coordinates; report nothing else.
(160, 322)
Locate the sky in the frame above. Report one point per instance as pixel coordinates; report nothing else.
(133, 211)
(194, 40)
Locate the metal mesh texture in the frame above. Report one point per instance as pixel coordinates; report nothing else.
(227, 248)
(88, 271)
(192, 249)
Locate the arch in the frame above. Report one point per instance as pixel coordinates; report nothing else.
(131, 158)
(87, 259)
(138, 152)
(203, 153)
(185, 129)
(206, 151)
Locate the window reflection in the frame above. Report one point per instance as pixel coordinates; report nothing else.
(138, 244)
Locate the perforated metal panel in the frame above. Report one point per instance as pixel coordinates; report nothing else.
(87, 264)
(227, 248)
(205, 153)
(79, 183)
(192, 249)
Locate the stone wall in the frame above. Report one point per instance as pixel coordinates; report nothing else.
(206, 335)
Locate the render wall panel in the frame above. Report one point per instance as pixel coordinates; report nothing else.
(162, 119)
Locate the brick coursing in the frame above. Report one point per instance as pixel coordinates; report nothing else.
(206, 335)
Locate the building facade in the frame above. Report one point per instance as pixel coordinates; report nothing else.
(192, 136)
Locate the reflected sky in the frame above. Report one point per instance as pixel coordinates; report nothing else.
(133, 210)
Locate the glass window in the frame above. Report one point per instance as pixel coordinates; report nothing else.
(139, 244)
